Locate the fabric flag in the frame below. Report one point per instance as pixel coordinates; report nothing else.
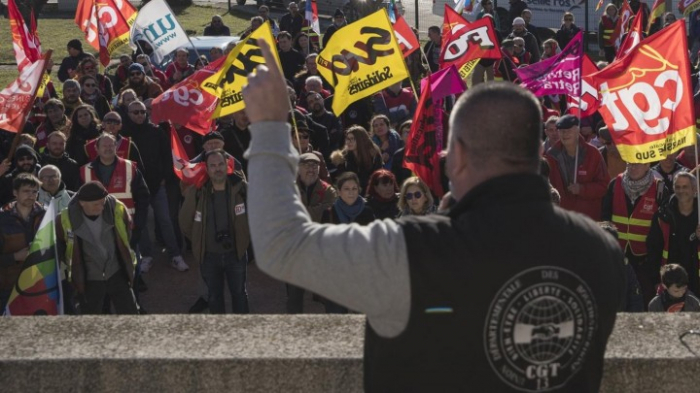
(625, 15)
(25, 41)
(587, 104)
(464, 41)
(312, 16)
(472, 7)
(38, 288)
(560, 74)
(686, 7)
(156, 27)
(634, 36)
(444, 83)
(646, 98)
(393, 11)
(408, 42)
(187, 103)
(17, 99)
(360, 69)
(193, 173)
(423, 144)
(657, 10)
(106, 24)
(600, 4)
(227, 84)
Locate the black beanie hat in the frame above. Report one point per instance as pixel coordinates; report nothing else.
(92, 191)
(25, 151)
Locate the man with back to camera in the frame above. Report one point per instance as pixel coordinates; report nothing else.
(446, 303)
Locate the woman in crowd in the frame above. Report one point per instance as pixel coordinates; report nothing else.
(567, 31)
(415, 198)
(388, 140)
(382, 194)
(91, 95)
(90, 66)
(85, 126)
(550, 48)
(360, 155)
(397, 168)
(304, 45)
(125, 98)
(201, 62)
(606, 30)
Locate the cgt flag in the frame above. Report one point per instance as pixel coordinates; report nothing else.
(157, 27)
(646, 98)
(227, 84)
(560, 74)
(106, 24)
(17, 99)
(38, 287)
(372, 63)
(25, 40)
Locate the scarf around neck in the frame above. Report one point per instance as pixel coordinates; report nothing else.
(635, 188)
(348, 213)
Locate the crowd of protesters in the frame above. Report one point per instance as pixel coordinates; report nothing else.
(98, 155)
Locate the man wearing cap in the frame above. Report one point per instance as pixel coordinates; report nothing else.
(531, 46)
(338, 22)
(70, 63)
(578, 171)
(317, 196)
(214, 217)
(144, 86)
(93, 236)
(19, 221)
(25, 160)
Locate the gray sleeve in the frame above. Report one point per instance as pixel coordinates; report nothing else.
(362, 267)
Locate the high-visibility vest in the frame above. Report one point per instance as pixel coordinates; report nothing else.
(119, 185)
(633, 229)
(608, 31)
(666, 232)
(123, 148)
(122, 233)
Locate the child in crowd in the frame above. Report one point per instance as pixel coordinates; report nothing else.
(676, 297)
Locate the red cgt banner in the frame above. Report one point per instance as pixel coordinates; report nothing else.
(646, 98)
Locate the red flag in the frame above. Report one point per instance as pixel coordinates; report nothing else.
(646, 98)
(657, 9)
(106, 24)
(464, 41)
(25, 40)
(186, 103)
(422, 148)
(687, 7)
(408, 42)
(633, 37)
(17, 99)
(195, 174)
(588, 104)
(625, 15)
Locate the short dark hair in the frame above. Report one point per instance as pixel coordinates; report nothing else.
(25, 179)
(214, 152)
(284, 34)
(54, 103)
(346, 177)
(674, 274)
(434, 29)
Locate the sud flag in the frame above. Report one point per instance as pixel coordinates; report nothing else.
(17, 99)
(657, 9)
(634, 36)
(464, 43)
(156, 26)
(360, 69)
(312, 16)
(38, 287)
(646, 98)
(423, 146)
(106, 24)
(408, 42)
(560, 74)
(587, 104)
(227, 84)
(686, 7)
(187, 103)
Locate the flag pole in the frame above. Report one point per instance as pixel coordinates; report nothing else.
(188, 37)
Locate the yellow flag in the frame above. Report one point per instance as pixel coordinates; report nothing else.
(227, 84)
(362, 59)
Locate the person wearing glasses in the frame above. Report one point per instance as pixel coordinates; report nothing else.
(531, 45)
(303, 144)
(415, 198)
(383, 195)
(567, 31)
(217, 27)
(90, 66)
(520, 53)
(141, 84)
(126, 149)
(91, 95)
(154, 73)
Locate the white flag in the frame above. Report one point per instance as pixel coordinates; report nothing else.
(156, 26)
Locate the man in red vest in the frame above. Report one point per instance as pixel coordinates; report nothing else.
(126, 148)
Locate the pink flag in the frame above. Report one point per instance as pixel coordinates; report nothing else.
(560, 74)
(444, 83)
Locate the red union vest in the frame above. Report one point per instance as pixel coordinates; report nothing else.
(633, 229)
(119, 185)
(123, 148)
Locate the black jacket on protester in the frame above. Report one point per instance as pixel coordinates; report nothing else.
(70, 170)
(157, 159)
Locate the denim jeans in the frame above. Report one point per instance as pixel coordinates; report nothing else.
(215, 269)
(159, 203)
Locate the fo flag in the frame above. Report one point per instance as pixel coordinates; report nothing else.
(38, 287)
(464, 42)
(587, 104)
(560, 74)
(361, 68)
(157, 27)
(424, 140)
(408, 42)
(17, 99)
(227, 84)
(187, 103)
(646, 98)
(106, 24)
(686, 7)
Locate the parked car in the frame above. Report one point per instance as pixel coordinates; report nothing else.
(202, 45)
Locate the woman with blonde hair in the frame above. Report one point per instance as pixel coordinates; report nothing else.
(415, 198)
(359, 155)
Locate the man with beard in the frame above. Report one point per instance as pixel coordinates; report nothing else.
(55, 154)
(71, 96)
(292, 21)
(322, 116)
(141, 84)
(25, 161)
(126, 148)
(56, 120)
(519, 30)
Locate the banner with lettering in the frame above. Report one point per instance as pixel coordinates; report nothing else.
(646, 98)
(227, 84)
(560, 74)
(106, 24)
(686, 7)
(464, 41)
(156, 27)
(361, 68)
(587, 104)
(634, 36)
(408, 42)
(17, 99)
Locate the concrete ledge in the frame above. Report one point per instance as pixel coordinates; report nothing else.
(265, 353)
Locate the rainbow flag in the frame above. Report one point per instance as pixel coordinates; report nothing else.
(38, 288)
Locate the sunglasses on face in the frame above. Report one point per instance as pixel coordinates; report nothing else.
(112, 121)
(138, 112)
(411, 195)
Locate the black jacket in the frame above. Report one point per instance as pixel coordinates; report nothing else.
(156, 160)
(70, 170)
